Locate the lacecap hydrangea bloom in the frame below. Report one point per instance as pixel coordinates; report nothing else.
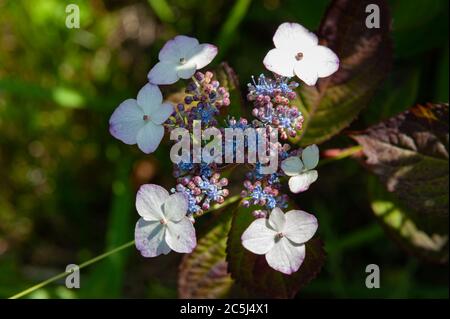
(167, 218)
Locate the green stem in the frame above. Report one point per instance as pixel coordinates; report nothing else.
(343, 154)
(63, 274)
(227, 202)
(25, 292)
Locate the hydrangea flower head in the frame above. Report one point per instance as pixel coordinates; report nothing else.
(302, 170)
(180, 58)
(281, 238)
(140, 121)
(297, 53)
(163, 225)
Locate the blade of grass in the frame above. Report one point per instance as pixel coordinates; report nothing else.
(25, 292)
(162, 10)
(107, 279)
(228, 30)
(64, 274)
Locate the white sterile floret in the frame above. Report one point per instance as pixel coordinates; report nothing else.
(140, 121)
(301, 170)
(297, 53)
(163, 225)
(281, 238)
(180, 58)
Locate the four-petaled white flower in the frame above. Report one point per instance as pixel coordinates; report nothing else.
(140, 121)
(163, 225)
(297, 52)
(281, 238)
(302, 170)
(180, 58)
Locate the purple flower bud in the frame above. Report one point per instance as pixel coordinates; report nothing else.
(199, 76)
(188, 99)
(223, 181)
(191, 185)
(197, 180)
(225, 192)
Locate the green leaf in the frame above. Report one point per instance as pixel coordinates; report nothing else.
(203, 273)
(411, 231)
(419, 22)
(442, 81)
(365, 58)
(254, 274)
(409, 152)
(396, 95)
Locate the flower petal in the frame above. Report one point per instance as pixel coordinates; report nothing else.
(149, 98)
(187, 70)
(292, 166)
(149, 237)
(126, 121)
(277, 220)
(307, 72)
(177, 48)
(149, 201)
(294, 36)
(175, 207)
(300, 183)
(180, 236)
(258, 237)
(280, 62)
(325, 61)
(285, 256)
(300, 226)
(163, 112)
(149, 137)
(163, 73)
(203, 54)
(310, 156)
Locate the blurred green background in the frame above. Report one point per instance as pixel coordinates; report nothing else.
(67, 187)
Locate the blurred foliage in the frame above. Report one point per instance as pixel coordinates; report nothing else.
(67, 187)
